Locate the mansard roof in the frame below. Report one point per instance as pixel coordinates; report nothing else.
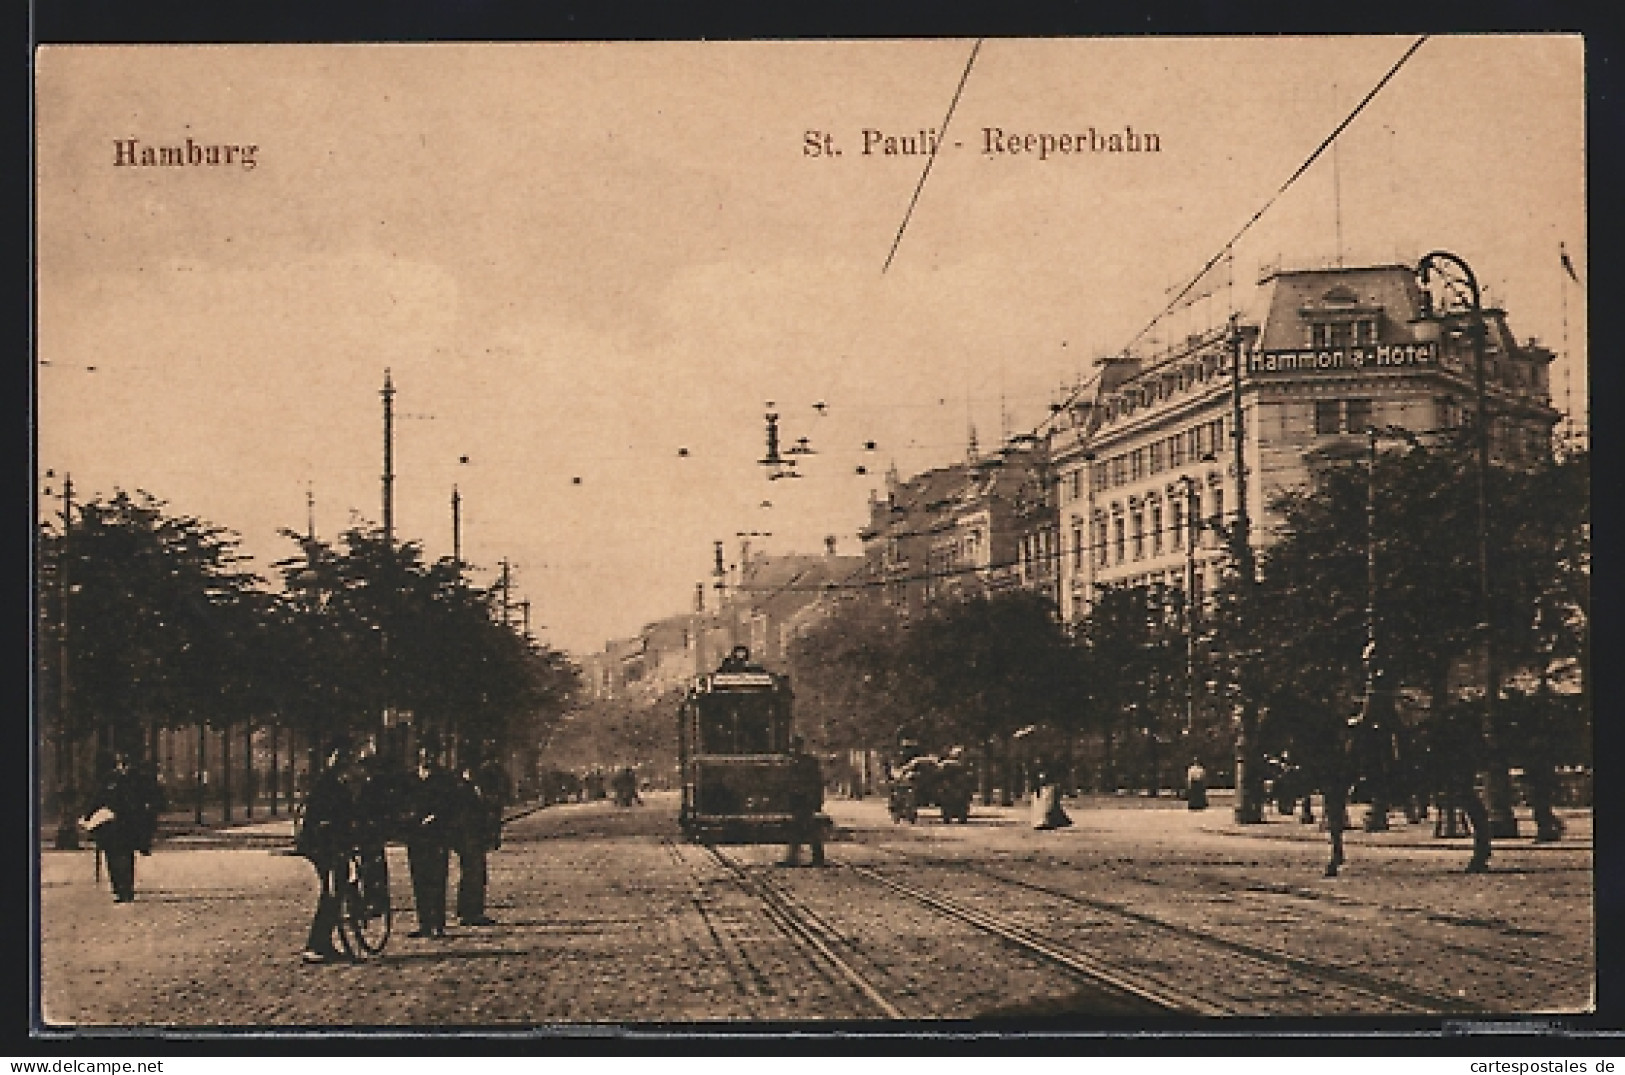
(1300, 296)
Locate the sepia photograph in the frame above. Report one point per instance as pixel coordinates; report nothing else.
(690, 536)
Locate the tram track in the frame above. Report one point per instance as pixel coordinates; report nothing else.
(1094, 971)
(1391, 911)
(810, 930)
(1146, 985)
(1389, 996)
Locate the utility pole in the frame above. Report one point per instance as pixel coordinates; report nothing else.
(1376, 816)
(1192, 527)
(1498, 785)
(524, 609)
(389, 460)
(456, 529)
(506, 582)
(67, 829)
(1249, 808)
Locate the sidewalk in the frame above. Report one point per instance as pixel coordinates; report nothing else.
(1131, 813)
(1219, 818)
(180, 829)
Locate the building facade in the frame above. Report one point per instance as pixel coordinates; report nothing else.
(1146, 456)
(986, 524)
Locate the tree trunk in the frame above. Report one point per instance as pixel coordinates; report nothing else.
(225, 774)
(1006, 796)
(199, 783)
(276, 773)
(1108, 765)
(248, 770)
(987, 771)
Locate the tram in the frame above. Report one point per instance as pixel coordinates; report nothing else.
(733, 748)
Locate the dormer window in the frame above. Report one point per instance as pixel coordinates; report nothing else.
(1325, 334)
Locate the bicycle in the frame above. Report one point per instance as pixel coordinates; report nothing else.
(365, 915)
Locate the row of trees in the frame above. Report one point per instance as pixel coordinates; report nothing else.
(152, 620)
(989, 671)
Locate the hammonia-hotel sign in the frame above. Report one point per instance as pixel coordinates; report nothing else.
(1325, 360)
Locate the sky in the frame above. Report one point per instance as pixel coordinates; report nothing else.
(578, 260)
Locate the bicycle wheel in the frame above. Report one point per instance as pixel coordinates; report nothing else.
(366, 914)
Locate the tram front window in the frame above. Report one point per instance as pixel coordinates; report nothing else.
(740, 724)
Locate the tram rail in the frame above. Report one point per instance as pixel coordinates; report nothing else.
(808, 930)
(1394, 997)
(836, 954)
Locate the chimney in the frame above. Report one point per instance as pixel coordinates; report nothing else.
(829, 545)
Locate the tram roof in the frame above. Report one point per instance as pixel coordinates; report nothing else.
(738, 681)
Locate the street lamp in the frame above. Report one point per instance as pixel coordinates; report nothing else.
(1376, 707)
(1461, 295)
(1192, 528)
(1249, 808)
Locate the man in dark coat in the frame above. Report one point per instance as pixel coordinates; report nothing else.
(806, 796)
(326, 833)
(435, 818)
(484, 793)
(127, 806)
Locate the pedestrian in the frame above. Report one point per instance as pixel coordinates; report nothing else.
(483, 789)
(1048, 811)
(954, 787)
(1196, 786)
(806, 796)
(428, 841)
(381, 801)
(122, 817)
(326, 833)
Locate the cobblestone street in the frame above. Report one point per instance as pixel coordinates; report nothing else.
(604, 916)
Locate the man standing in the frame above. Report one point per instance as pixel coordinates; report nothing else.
(428, 841)
(954, 787)
(484, 794)
(326, 832)
(806, 796)
(1196, 786)
(122, 817)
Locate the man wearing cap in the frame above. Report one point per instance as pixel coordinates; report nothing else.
(122, 817)
(326, 832)
(806, 796)
(483, 788)
(434, 823)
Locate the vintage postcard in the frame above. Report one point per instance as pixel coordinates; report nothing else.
(1039, 532)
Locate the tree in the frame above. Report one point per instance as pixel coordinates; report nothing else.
(1136, 676)
(992, 665)
(851, 679)
(149, 595)
(379, 630)
(1303, 630)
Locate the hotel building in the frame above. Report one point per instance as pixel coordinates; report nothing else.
(1145, 454)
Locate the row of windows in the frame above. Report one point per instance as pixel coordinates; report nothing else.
(1202, 441)
(1343, 333)
(1140, 532)
(1149, 390)
(1342, 416)
(1036, 555)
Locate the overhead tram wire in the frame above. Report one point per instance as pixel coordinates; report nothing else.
(1229, 246)
(1282, 189)
(932, 157)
